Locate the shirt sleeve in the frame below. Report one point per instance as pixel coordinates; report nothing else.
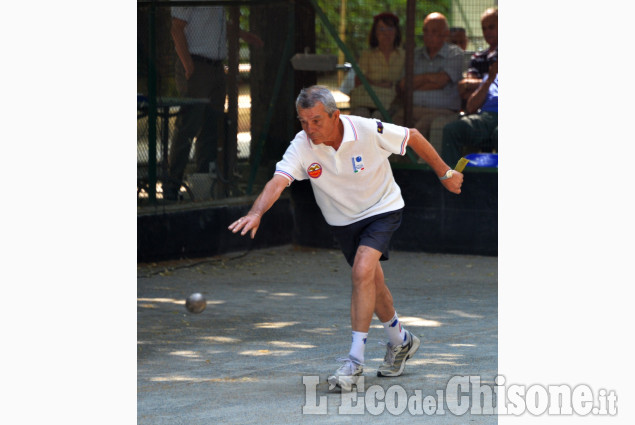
(454, 66)
(290, 166)
(392, 138)
(474, 66)
(182, 13)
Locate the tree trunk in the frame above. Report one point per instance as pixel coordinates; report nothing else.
(272, 24)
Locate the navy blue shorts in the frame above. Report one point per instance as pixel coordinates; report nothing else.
(374, 232)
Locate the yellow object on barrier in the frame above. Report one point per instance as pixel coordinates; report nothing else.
(461, 164)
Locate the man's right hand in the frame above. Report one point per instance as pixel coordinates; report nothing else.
(189, 68)
(468, 85)
(251, 221)
(180, 45)
(270, 194)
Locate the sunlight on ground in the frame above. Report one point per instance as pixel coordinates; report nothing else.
(466, 315)
(185, 353)
(266, 352)
(433, 377)
(424, 362)
(173, 301)
(321, 331)
(419, 322)
(453, 355)
(436, 359)
(191, 379)
(408, 321)
(162, 300)
(274, 325)
(221, 339)
(286, 344)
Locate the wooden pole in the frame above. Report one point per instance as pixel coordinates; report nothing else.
(230, 151)
(341, 58)
(410, 48)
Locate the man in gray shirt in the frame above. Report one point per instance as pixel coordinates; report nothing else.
(438, 67)
(200, 40)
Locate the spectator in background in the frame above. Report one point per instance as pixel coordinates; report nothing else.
(458, 37)
(200, 41)
(438, 67)
(481, 61)
(382, 65)
(479, 128)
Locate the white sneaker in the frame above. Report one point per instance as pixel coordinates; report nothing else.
(348, 374)
(396, 356)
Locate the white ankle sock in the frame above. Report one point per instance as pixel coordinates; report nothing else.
(358, 345)
(395, 332)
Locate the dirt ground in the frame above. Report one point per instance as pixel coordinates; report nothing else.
(277, 319)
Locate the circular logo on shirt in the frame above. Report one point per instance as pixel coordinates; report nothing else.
(314, 170)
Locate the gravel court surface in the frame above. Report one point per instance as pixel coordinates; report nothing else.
(280, 315)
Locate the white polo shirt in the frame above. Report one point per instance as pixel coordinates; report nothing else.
(356, 181)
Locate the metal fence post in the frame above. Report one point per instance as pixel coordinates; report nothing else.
(152, 105)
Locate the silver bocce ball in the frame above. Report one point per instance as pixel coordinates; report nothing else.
(195, 303)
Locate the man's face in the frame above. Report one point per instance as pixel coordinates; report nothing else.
(459, 38)
(434, 35)
(489, 24)
(317, 123)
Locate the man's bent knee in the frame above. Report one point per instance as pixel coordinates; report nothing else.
(366, 261)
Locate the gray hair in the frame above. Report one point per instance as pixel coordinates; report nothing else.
(308, 97)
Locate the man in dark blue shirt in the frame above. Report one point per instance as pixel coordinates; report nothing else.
(480, 61)
(479, 128)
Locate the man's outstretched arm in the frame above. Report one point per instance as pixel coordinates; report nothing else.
(269, 195)
(426, 151)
